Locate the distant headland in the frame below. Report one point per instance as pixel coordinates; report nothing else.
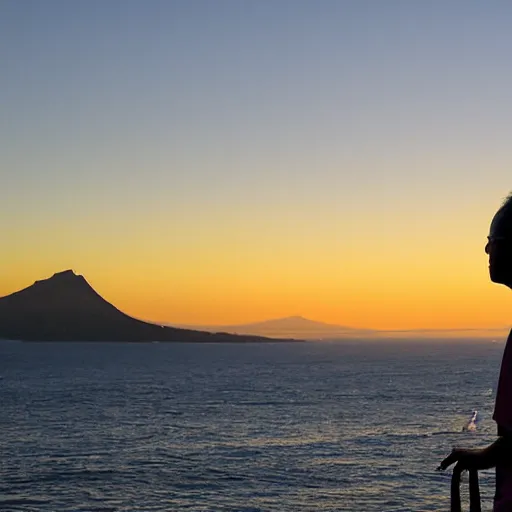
(65, 307)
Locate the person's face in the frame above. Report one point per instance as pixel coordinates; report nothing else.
(499, 249)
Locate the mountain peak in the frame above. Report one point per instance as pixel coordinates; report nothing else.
(65, 277)
(65, 273)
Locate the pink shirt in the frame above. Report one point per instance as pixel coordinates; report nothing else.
(503, 417)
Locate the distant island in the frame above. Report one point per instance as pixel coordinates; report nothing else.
(66, 308)
(291, 327)
(311, 330)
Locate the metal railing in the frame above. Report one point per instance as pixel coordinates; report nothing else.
(474, 491)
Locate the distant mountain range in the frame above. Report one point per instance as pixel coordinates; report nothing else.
(66, 308)
(293, 326)
(303, 328)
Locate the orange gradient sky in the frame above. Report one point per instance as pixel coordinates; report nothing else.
(197, 169)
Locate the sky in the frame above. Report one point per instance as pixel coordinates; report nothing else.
(227, 161)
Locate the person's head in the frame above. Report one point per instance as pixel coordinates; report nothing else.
(499, 245)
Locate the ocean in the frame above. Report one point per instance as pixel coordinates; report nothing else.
(256, 427)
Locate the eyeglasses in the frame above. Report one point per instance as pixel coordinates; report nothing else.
(493, 239)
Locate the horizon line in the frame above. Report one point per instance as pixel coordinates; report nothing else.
(341, 327)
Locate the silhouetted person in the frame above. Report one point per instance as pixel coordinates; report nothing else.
(499, 453)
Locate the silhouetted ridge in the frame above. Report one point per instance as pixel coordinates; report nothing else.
(292, 327)
(65, 307)
(62, 293)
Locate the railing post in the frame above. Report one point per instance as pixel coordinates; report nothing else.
(474, 490)
(455, 489)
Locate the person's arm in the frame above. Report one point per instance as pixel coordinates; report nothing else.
(496, 453)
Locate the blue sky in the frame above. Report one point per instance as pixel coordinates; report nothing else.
(303, 91)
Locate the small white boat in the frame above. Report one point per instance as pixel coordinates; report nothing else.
(471, 425)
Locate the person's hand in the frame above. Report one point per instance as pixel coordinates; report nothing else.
(465, 459)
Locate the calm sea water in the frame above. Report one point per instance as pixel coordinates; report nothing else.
(260, 427)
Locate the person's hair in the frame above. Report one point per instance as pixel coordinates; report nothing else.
(507, 202)
(505, 213)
